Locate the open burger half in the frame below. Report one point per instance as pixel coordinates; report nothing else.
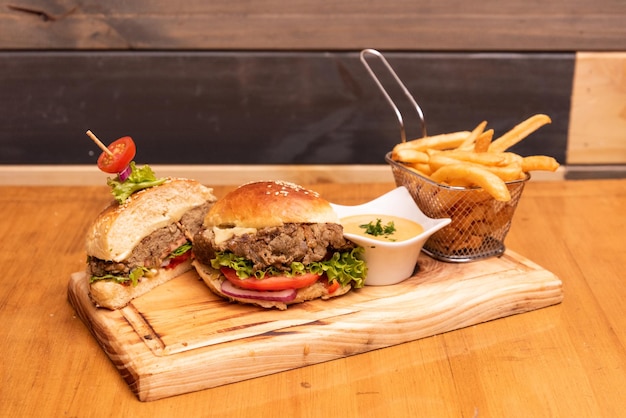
(145, 241)
(273, 244)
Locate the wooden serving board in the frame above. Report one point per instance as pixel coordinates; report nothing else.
(181, 338)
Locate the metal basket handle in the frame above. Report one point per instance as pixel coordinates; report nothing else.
(420, 114)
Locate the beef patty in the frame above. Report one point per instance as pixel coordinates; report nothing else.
(276, 246)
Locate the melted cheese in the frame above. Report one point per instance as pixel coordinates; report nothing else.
(222, 234)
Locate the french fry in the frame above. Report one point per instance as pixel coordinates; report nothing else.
(437, 161)
(510, 172)
(410, 156)
(421, 168)
(442, 141)
(507, 172)
(491, 183)
(510, 158)
(519, 132)
(539, 162)
(468, 143)
(472, 157)
(462, 158)
(483, 141)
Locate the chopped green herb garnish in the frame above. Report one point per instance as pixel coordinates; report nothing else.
(378, 229)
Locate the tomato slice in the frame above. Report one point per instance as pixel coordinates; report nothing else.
(123, 150)
(175, 261)
(332, 288)
(272, 282)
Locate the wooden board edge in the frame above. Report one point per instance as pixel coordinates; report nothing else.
(348, 339)
(78, 298)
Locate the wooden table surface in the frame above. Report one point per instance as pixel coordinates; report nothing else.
(565, 360)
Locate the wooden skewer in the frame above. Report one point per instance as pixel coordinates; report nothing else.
(99, 143)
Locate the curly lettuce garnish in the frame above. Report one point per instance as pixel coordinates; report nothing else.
(139, 178)
(347, 267)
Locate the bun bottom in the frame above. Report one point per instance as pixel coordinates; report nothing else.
(112, 295)
(213, 279)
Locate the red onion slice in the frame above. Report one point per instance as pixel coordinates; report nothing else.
(125, 173)
(286, 295)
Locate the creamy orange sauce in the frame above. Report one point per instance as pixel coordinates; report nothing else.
(403, 229)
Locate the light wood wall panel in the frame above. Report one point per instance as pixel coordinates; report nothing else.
(597, 133)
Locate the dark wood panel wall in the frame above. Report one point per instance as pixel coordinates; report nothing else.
(212, 108)
(275, 81)
(426, 25)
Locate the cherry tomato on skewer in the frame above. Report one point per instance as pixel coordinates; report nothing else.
(123, 150)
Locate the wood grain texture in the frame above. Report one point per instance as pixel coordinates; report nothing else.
(567, 360)
(597, 133)
(266, 107)
(513, 25)
(181, 337)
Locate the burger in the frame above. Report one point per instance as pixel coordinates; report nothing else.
(139, 244)
(273, 244)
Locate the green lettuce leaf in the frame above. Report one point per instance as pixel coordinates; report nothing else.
(180, 250)
(138, 272)
(140, 178)
(347, 267)
(133, 277)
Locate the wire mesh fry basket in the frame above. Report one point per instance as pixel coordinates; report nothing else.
(479, 224)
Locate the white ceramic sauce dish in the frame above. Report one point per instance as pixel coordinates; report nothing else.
(391, 262)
